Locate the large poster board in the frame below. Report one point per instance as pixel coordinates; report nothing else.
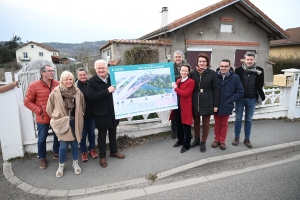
(142, 89)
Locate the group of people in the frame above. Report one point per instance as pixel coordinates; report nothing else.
(204, 92)
(73, 109)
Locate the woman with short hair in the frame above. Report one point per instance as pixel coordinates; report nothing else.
(66, 100)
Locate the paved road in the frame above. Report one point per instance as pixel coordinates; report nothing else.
(275, 180)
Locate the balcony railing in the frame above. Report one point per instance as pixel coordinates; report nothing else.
(22, 58)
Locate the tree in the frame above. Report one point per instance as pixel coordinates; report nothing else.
(7, 53)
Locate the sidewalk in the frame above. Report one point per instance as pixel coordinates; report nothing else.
(157, 156)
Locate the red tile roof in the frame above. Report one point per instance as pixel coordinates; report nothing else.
(38, 44)
(244, 6)
(294, 38)
(141, 42)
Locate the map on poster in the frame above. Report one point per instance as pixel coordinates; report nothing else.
(142, 89)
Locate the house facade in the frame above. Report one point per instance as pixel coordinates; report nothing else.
(32, 51)
(287, 48)
(226, 29)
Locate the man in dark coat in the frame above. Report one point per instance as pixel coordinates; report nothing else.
(100, 91)
(178, 61)
(252, 78)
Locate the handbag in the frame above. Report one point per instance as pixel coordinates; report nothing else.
(60, 126)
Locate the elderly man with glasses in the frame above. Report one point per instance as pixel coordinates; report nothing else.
(36, 101)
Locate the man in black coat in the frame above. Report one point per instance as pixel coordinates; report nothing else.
(100, 92)
(252, 78)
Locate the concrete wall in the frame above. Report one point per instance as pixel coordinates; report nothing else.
(33, 53)
(288, 51)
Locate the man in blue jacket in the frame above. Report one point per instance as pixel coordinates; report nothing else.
(230, 90)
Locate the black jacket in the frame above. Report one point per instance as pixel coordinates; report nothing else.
(259, 80)
(206, 92)
(103, 107)
(88, 114)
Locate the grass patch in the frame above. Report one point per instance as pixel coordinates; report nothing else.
(152, 177)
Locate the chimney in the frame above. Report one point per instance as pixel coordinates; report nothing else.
(164, 14)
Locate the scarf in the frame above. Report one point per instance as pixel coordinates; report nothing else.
(69, 96)
(201, 73)
(251, 69)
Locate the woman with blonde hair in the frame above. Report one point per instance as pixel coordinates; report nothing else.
(67, 102)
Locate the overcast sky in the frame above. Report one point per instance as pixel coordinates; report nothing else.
(76, 21)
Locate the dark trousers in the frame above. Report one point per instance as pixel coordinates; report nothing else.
(183, 131)
(112, 134)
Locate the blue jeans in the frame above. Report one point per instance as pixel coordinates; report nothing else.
(42, 136)
(88, 130)
(64, 145)
(249, 104)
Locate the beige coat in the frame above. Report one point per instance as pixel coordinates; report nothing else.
(56, 110)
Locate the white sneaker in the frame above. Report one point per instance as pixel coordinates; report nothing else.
(76, 167)
(60, 171)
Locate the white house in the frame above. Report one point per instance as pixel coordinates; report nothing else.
(32, 51)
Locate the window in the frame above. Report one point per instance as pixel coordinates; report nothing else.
(106, 55)
(25, 55)
(226, 28)
(32, 46)
(41, 54)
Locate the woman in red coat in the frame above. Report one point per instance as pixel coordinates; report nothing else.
(184, 118)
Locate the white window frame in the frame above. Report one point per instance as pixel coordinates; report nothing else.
(41, 54)
(25, 55)
(226, 28)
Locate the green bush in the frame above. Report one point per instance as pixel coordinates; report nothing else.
(286, 62)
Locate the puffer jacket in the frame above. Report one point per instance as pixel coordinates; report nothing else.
(37, 97)
(230, 90)
(259, 80)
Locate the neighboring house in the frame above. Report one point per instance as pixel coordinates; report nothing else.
(67, 60)
(113, 51)
(226, 29)
(287, 47)
(32, 51)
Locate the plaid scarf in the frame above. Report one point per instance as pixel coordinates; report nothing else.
(251, 68)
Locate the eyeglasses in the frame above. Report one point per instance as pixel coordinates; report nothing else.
(224, 66)
(50, 71)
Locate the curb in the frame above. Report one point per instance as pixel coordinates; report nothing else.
(232, 159)
(198, 166)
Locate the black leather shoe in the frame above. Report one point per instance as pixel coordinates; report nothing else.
(183, 150)
(196, 142)
(177, 144)
(202, 147)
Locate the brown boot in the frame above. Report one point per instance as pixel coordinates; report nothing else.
(222, 146)
(235, 141)
(103, 162)
(43, 163)
(248, 143)
(215, 144)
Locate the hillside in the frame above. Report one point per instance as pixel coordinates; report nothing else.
(73, 49)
